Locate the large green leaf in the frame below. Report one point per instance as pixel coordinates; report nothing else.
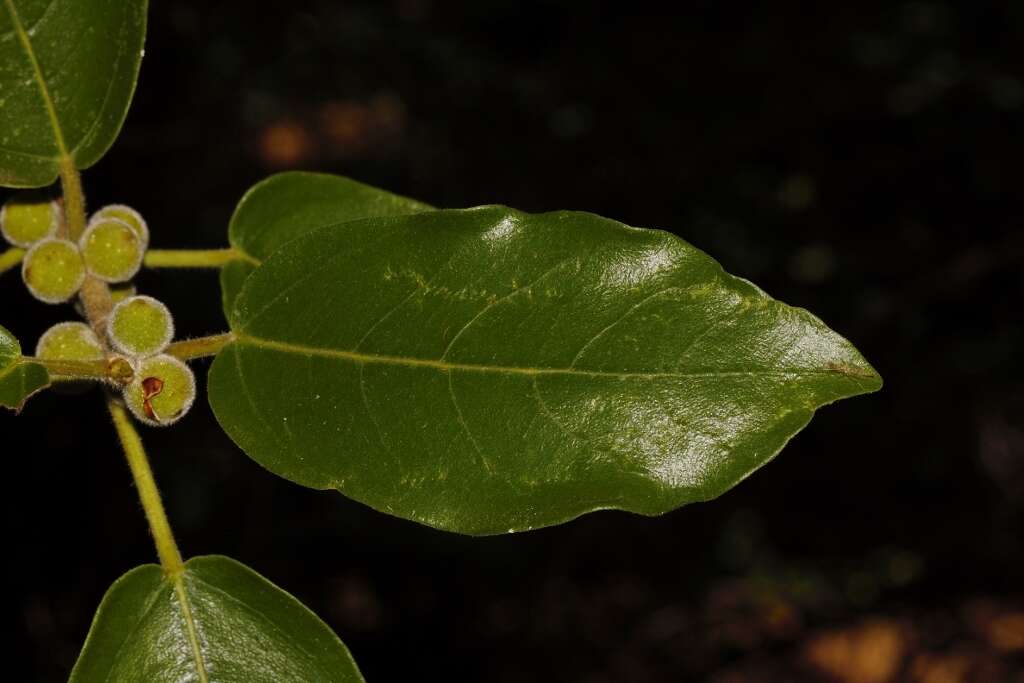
(287, 205)
(19, 379)
(487, 370)
(219, 621)
(67, 73)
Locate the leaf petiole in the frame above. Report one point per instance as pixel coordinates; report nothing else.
(195, 258)
(74, 198)
(201, 347)
(142, 473)
(72, 370)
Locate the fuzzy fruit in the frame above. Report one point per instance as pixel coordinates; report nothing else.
(53, 270)
(140, 326)
(162, 391)
(112, 250)
(70, 341)
(27, 220)
(127, 214)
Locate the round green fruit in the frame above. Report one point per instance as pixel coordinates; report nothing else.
(53, 270)
(127, 214)
(27, 220)
(140, 326)
(162, 391)
(112, 250)
(70, 341)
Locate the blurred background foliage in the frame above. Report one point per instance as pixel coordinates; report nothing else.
(859, 159)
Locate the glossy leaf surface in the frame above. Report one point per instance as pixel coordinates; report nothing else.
(220, 621)
(67, 74)
(287, 205)
(487, 370)
(18, 379)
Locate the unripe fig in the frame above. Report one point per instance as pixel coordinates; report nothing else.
(161, 392)
(140, 326)
(27, 220)
(112, 250)
(70, 341)
(127, 214)
(53, 270)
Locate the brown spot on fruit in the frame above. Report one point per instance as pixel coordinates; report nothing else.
(151, 386)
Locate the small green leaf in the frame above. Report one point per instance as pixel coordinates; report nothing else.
(487, 370)
(67, 75)
(287, 205)
(219, 621)
(19, 379)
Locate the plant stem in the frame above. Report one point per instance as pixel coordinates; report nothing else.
(195, 258)
(166, 548)
(74, 198)
(97, 302)
(11, 258)
(74, 369)
(95, 294)
(190, 349)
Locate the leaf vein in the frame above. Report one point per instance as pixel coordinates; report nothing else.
(445, 366)
(502, 300)
(617, 321)
(465, 427)
(369, 411)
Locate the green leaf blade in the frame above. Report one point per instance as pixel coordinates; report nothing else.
(19, 379)
(291, 204)
(247, 630)
(486, 371)
(67, 75)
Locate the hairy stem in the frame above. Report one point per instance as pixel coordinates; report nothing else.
(11, 258)
(195, 258)
(74, 198)
(95, 294)
(62, 369)
(166, 547)
(201, 347)
(97, 302)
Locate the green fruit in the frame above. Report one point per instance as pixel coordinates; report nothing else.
(70, 341)
(161, 392)
(111, 250)
(127, 214)
(140, 326)
(27, 220)
(53, 270)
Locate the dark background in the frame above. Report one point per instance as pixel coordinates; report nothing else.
(858, 159)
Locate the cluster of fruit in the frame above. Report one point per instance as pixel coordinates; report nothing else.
(137, 330)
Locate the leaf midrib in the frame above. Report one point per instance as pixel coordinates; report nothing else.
(180, 592)
(448, 366)
(44, 91)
